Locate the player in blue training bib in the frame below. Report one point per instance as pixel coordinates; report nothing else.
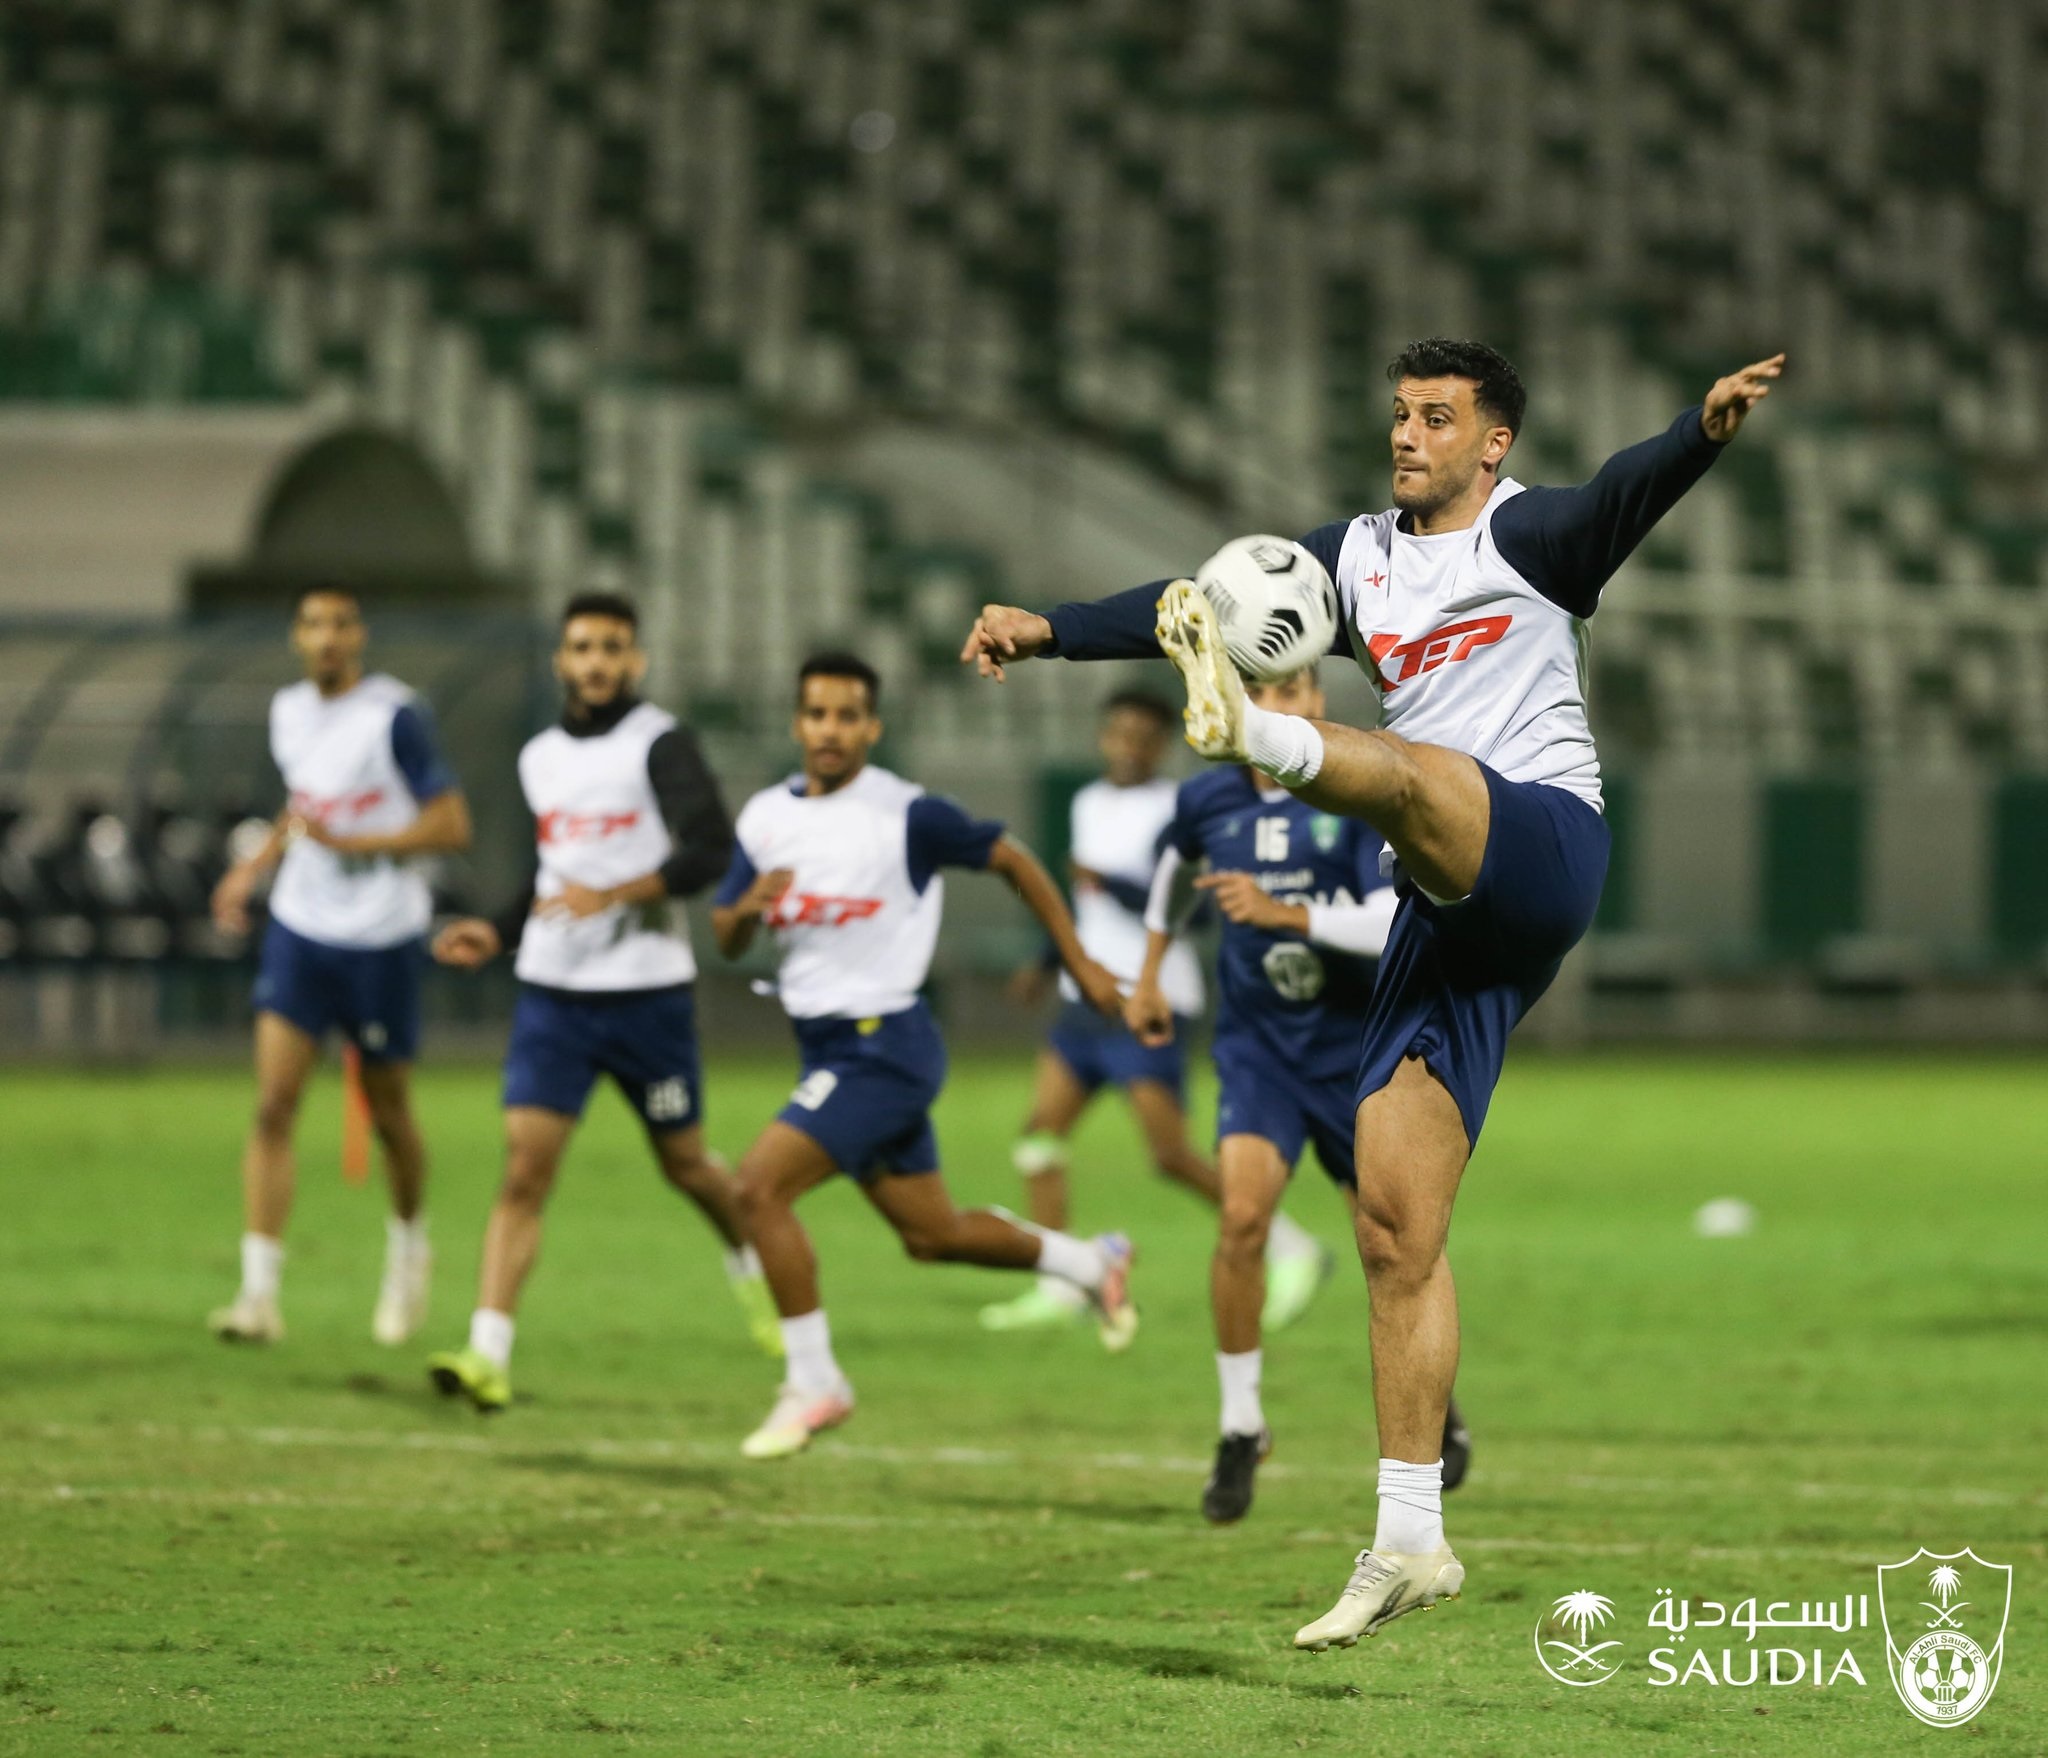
(370, 801)
(843, 864)
(1306, 914)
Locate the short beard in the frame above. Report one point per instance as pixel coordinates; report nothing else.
(1435, 495)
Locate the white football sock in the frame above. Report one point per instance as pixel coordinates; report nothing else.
(1289, 1238)
(742, 1261)
(402, 1239)
(262, 1265)
(1078, 1261)
(490, 1335)
(1411, 1508)
(807, 1342)
(1284, 746)
(1239, 1375)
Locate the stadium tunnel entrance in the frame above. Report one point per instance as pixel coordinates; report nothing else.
(364, 507)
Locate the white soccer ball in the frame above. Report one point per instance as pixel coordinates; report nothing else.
(1275, 603)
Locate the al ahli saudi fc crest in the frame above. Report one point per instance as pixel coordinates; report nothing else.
(1944, 1629)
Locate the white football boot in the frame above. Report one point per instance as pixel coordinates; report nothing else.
(402, 1296)
(797, 1416)
(1383, 1588)
(253, 1318)
(1189, 636)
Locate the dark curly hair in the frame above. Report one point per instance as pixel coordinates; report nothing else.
(1499, 386)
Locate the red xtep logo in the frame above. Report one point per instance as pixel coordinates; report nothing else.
(340, 806)
(1448, 645)
(584, 826)
(807, 909)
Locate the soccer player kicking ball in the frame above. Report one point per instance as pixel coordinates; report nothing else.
(1305, 914)
(1117, 823)
(369, 797)
(842, 864)
(627, 819)
(1465, 603)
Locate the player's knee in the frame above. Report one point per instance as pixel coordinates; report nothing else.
(1390, 1244)
(277, 1108)
(1038, 1151)
(528, 1179)
(754, 1186)
(688, 1173)
(1242, 1230)
(927, 1245)
(390, 1117)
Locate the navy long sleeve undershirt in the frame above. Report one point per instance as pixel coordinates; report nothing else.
(1566, 542)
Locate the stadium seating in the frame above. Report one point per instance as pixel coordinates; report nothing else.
(502, 223)
(626, 267)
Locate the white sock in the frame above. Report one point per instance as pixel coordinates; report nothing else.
(807, 1341)
(1239, 1375)
(1289, 1238)
(262, 1265)
(742, 1261)
(490, 1335)
(1284, 746)
(404, 1238)
(1078, 1261)
(1411, 1508)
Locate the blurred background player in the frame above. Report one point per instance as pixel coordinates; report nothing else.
(1116, 826)
(369, 798)
(1305, 915)
(843, 864)
(627, 819)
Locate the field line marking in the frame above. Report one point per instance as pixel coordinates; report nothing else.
(606, 1448)
(1026, 1518)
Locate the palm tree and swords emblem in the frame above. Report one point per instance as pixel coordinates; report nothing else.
(1944, 1583)
(1582, 1613)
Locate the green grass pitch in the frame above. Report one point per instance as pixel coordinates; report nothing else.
(304, 1551)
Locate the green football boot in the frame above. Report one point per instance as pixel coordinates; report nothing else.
(1292, 1282)
(764, 1323)
(466, 1373)
(1045, 1304)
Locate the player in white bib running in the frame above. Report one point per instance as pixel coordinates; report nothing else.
(627, 820)
(842, 864)
(370, 799)
(1117, 822)
(1466, 604)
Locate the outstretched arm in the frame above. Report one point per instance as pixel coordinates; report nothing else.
(1122, 626)
(1027, 876)
(1568, 542)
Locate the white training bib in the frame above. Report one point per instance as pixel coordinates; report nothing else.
(1464, 652)
(856, 936)
(598, 823)
(335, 756)
(1115, 832)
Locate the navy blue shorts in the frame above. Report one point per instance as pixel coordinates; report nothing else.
(1456, 978)
(1262, 1096)
(646, 1040)
(867, 1091)
(372, 993)
(1104, 1052)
